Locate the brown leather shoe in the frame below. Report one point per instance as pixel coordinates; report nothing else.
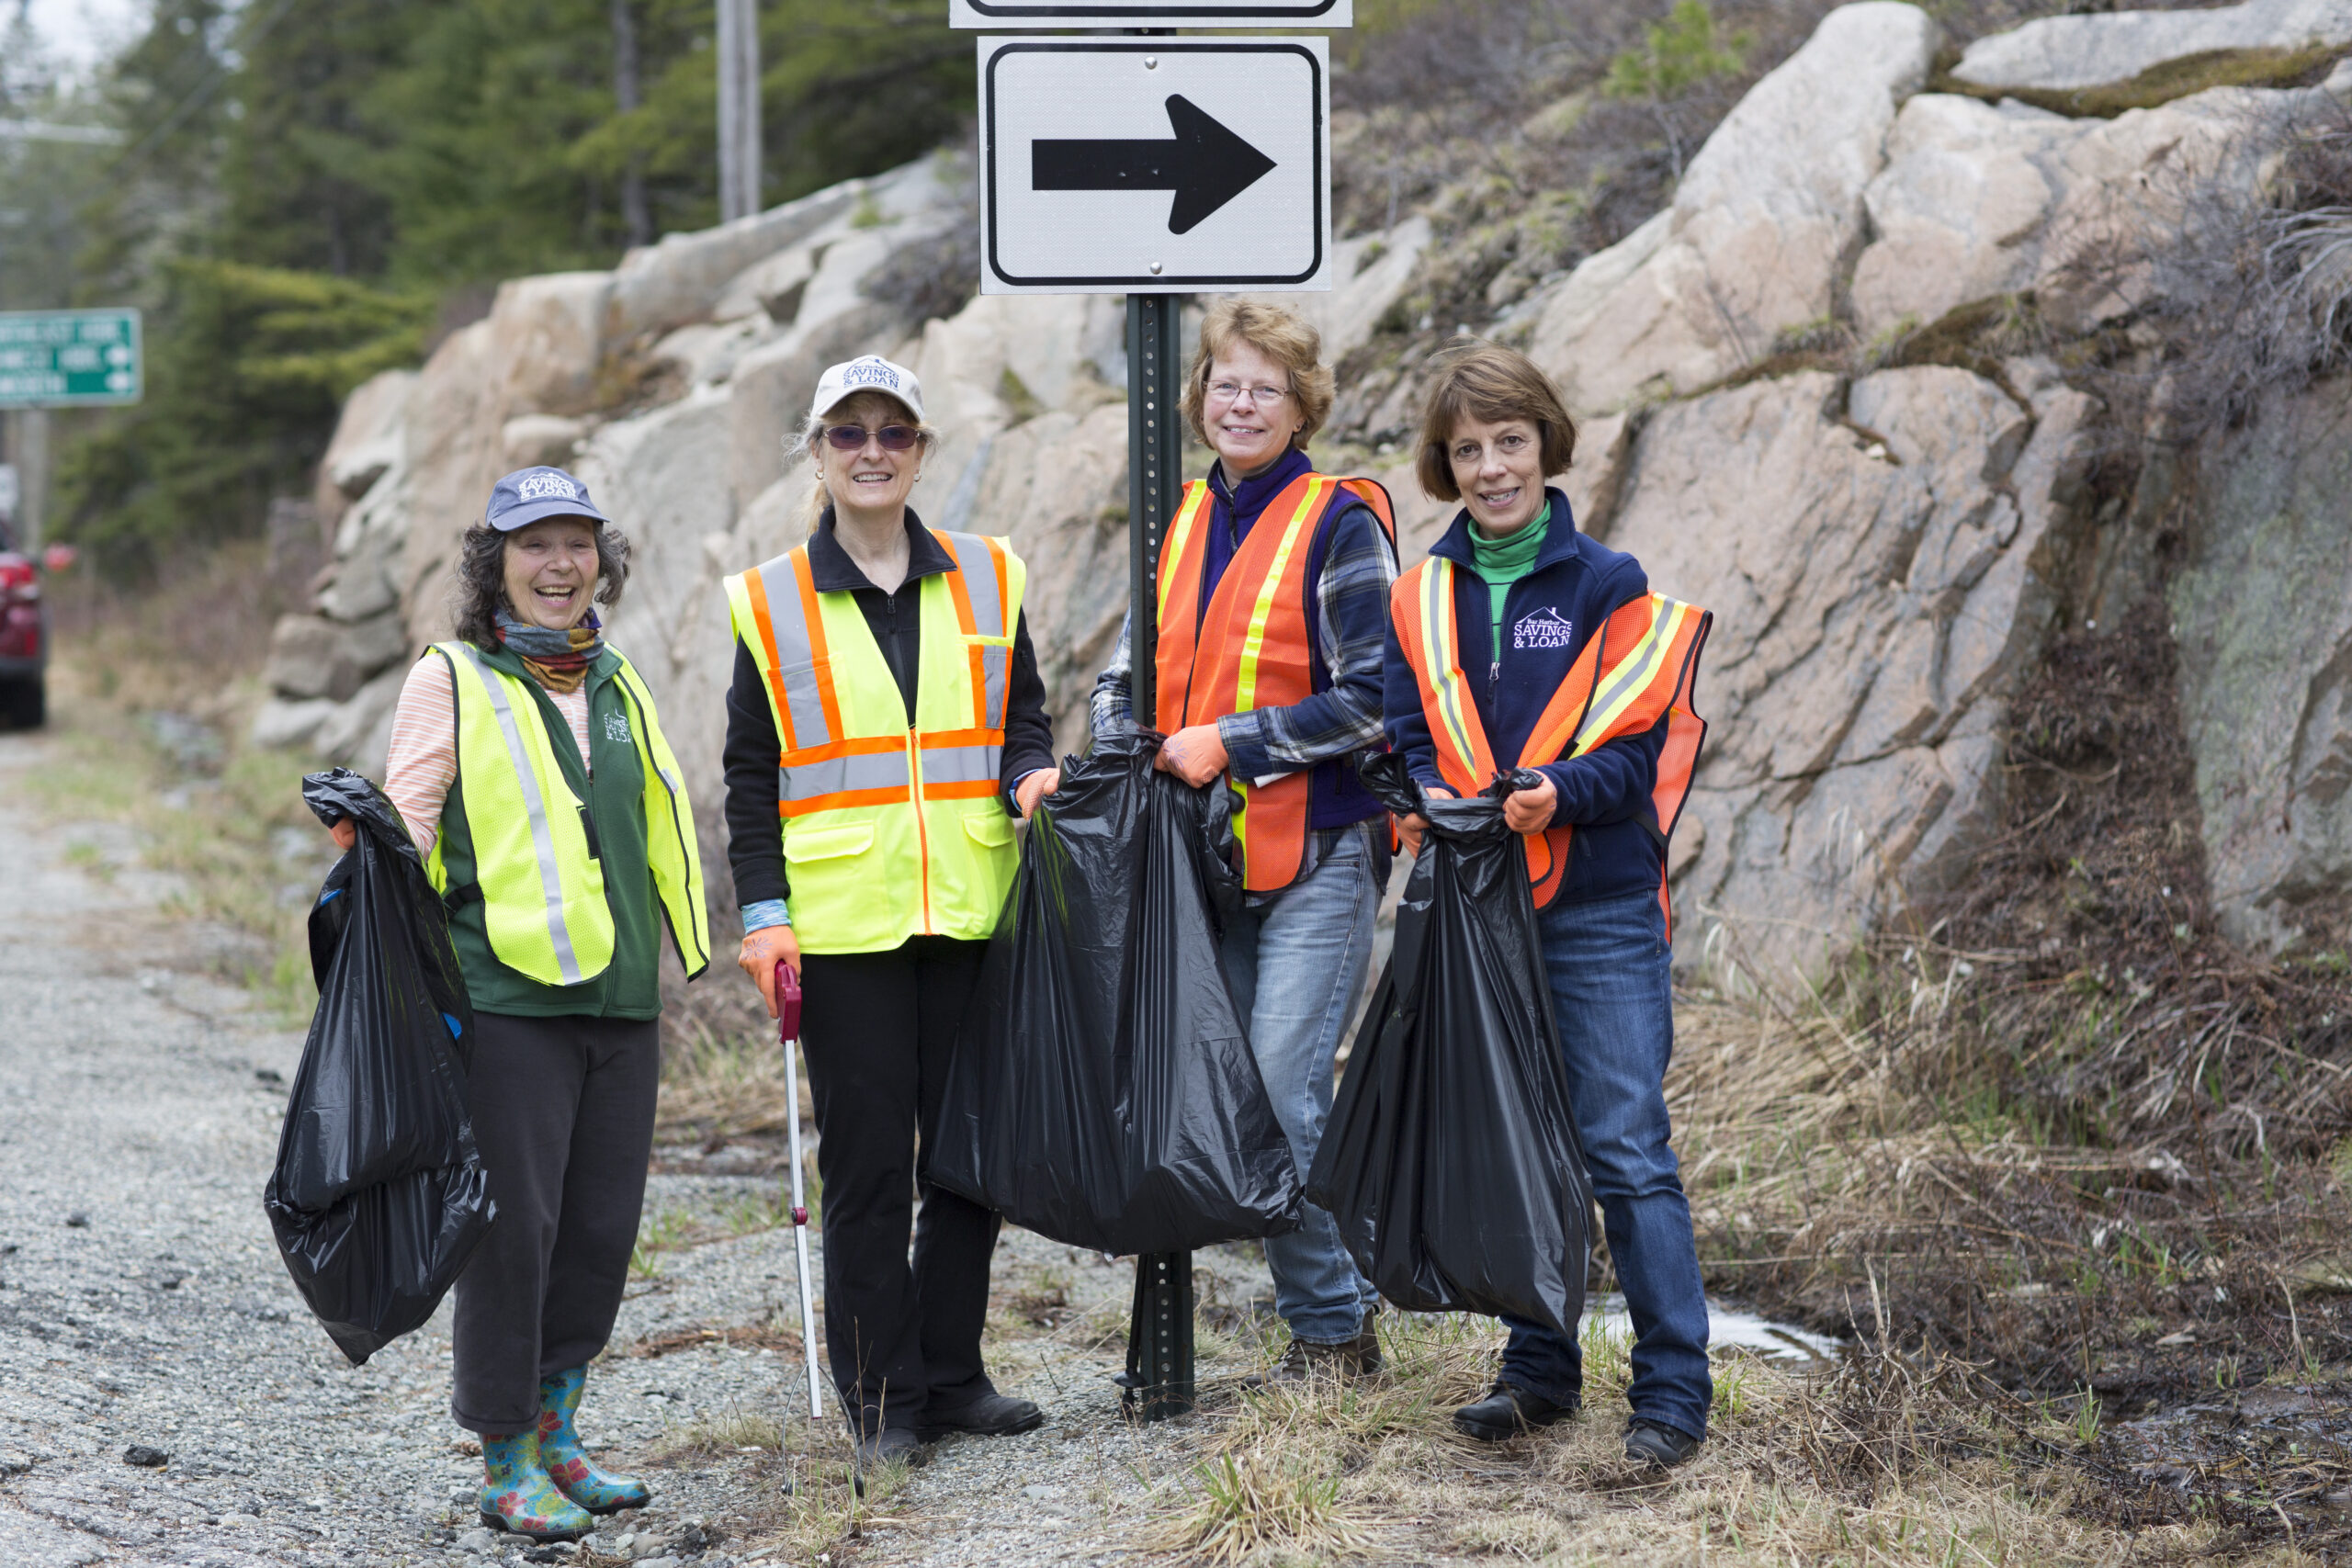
(1309, 1358)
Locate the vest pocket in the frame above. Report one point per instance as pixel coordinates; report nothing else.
(993, 829)
(828, 843)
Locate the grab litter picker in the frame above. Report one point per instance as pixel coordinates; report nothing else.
(787, 1015)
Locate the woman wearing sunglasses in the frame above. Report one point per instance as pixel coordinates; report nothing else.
(886, 726)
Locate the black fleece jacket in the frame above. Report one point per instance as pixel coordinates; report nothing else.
(755, 848)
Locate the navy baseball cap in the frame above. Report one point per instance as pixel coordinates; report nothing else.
(533, 495)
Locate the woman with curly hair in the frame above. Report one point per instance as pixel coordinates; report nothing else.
(529, 766)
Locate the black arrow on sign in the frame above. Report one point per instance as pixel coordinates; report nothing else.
(1206, 165)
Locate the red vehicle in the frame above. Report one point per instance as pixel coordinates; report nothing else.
(24, 638)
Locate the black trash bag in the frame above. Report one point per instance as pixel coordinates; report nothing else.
(378, 1196)
(1103, 1091)
(1451, 1160)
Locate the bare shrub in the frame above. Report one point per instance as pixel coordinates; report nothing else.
(2234, 293)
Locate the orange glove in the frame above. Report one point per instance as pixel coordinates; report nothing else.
(761, 949)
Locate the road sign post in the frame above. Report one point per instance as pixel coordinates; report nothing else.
(1154, 166)
(1158, 1382)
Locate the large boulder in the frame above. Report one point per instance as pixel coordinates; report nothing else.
(1881, 562)
(2262, 609)
(1977, 200)
(1763, 225)
(2059, 53)
(369, 437)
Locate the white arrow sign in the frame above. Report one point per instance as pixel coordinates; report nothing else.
(1154, 165)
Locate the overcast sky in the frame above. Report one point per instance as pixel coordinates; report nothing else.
(83, 32)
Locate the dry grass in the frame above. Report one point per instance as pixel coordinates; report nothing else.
(1886, 1461)
(719, 1087)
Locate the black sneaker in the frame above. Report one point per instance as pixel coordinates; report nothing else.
(1657, 1444)
(992, 1415)
(1509, 1410)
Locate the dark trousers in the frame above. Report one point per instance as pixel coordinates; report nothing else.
(563, 1112)
(878, 1027)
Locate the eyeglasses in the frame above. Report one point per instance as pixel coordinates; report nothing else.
(853, 437)
(1234, 392)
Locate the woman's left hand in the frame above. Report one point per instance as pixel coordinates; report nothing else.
(1530, 811)
(1033, 788)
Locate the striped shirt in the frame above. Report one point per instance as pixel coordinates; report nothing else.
(422, 762)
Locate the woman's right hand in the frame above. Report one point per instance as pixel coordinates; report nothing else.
(762, 950)
(343, 833)
(1410, 829)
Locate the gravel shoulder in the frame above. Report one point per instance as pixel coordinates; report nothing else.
(142, 1305)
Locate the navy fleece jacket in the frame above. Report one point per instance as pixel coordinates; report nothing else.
(1549, 616)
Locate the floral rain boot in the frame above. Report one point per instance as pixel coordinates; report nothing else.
(517, 1495)
(567, 1457)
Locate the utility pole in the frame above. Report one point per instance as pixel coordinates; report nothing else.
(739, 110)
(636, 217)
(29, 453)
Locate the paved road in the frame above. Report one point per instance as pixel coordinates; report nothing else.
(143, 1302)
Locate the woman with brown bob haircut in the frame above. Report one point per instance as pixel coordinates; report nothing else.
(1269, 556)
(1519, 642)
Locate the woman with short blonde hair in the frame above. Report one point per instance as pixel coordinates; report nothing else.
(1274, 587)
(1284, 340)
(1582, 676)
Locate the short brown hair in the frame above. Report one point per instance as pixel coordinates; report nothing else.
(1490, 383)
(1283, 336)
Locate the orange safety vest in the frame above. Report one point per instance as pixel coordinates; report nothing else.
(1248, 649)
(1641, 667)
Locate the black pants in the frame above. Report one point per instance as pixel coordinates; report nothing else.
(563, 1112)
(878, 1027)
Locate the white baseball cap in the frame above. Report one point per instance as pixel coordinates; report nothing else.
(867, 373)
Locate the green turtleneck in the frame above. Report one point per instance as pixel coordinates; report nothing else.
(1503, 562)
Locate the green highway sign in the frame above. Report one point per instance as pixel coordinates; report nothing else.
(64, 360)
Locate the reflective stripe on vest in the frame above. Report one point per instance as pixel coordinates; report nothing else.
(543, 892)
(1641, 667)
(507, 767)
(1248, 647)
(672, 851)
(889, 829)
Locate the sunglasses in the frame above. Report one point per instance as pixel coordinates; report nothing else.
(852, 438)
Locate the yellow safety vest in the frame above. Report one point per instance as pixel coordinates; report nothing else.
(542, 890)
(889, 831)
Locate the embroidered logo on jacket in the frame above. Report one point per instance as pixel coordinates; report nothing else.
(1545, 628)
(616, 727)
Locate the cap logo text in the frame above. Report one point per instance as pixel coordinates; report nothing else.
(542, 486)
(870, 373)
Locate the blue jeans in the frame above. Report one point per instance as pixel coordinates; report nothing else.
(1612, 995)
(1296, 963)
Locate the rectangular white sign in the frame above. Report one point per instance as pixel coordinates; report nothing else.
(1154, 165)
(1150, 14)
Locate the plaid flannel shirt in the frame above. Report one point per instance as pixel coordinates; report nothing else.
(1351, 632)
